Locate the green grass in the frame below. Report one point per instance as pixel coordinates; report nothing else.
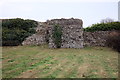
(42, 62)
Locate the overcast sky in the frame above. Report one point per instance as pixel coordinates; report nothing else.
(90, 11)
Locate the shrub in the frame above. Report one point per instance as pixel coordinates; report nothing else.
(57, 33)
(14, 31)
(113, 41)
(103, 27)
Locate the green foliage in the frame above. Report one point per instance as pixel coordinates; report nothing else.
(14, 31)
(103, 27)
(57, 33)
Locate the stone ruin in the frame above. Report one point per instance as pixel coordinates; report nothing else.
(98, 38)
(38, 38)
(72, 33)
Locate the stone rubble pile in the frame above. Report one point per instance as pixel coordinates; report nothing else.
(38, 38)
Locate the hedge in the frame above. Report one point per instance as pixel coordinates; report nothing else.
(103, 27)
(14, 31)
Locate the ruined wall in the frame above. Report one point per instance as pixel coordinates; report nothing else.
(97, 38)
(72, 33)
(38, 38)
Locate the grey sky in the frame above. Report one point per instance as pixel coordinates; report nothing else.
(90, 12)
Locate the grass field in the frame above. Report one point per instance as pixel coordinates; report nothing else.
(42, 62)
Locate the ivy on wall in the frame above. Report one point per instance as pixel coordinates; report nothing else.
(57, 34)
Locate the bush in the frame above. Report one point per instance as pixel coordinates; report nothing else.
(113, 41)
(103, 27)
(57, 33)
(14, 31)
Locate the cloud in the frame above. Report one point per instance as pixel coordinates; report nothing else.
(6, 1)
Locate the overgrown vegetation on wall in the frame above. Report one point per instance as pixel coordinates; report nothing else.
(57, 33)
(103, 27)
(14, 31)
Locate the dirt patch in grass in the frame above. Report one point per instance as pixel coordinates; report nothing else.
(82, 70)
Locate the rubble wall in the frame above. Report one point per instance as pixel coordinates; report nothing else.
(97, 38)
(38, 38)
(72, 33)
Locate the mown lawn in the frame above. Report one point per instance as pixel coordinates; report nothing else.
(42, 62)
